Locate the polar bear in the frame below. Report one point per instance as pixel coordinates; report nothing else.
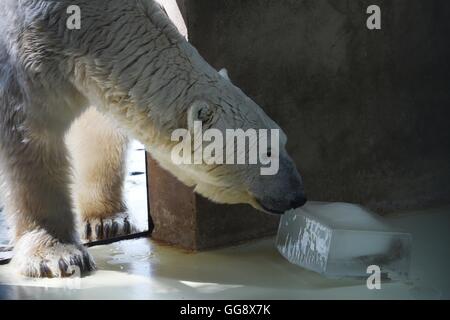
(145, 80)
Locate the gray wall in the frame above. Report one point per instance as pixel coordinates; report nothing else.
(366, 112)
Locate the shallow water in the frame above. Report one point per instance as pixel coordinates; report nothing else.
(143, 269)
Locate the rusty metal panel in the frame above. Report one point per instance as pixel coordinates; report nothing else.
(189, 221)
(172, 207)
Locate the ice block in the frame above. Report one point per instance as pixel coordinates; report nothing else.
(342, 240)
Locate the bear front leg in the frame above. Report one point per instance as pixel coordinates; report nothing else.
(98, 151)
(35, 170)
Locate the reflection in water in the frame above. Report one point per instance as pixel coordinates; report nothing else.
(143, 269)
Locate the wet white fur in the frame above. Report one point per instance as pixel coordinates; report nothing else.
(130, 62)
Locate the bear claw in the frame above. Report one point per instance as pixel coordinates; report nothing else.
(39, 255)
(102, 229)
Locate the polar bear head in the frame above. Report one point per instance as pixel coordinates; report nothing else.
(231, 151)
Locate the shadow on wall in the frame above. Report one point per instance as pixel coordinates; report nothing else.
(366, 111)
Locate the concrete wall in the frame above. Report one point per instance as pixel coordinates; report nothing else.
(366, 112)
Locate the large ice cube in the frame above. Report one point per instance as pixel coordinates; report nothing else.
(342, 240)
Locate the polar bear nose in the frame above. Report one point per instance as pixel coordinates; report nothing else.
(280, 206)
(299, 201)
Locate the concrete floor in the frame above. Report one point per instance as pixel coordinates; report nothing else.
(143, 269)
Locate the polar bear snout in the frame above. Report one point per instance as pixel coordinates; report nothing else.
(299, 201)
(281, 192)
(281, 205)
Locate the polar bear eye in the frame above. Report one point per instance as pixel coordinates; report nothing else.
(204, 114)
(201, 111)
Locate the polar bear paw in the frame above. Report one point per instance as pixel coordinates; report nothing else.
(39, 255)
(106, 228)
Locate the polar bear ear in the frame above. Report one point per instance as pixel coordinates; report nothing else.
(201, 111)
(224, 73)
